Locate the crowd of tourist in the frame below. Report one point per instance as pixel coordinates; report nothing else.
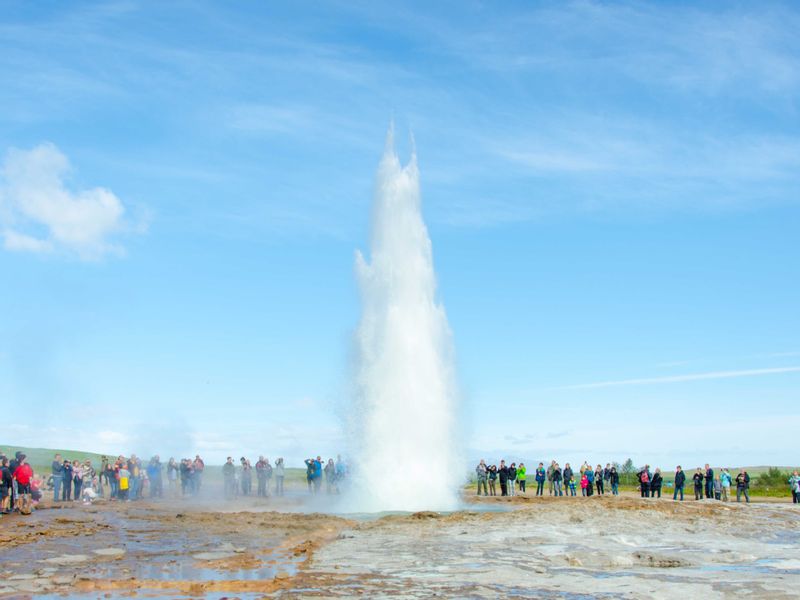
(130, 479)
(599, 480)
(20, 489)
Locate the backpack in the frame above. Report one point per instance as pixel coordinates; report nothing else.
(645, 478)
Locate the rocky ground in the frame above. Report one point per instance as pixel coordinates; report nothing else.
(544, 548)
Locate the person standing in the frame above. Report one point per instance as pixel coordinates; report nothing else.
(725, 478)
(77, 480)
(57, 469)
(742, 486)
(644, 481)
(585, 485)
(698, 484)
(102, 476)
(557, 478)
(590, 479)
(66, 492)
(112, 479)
(6, 483)
(794, 487)
(23, 475)
(613, 478)
(135, 478)
(717, 487)
(655, 484)
(280, 473)
(522, 474)
(310, 474)
(569, 480)
(198, 467)
(502, 474)
(680, 481)
(261, 476)
(482, 473)
(598, 480)
(229, 478)
(541, 475)
(492, 475)
(512, 479)
(341, 472)
(317, 474)
(172, 477)
(550, 477)
(247, 476)
(709, 482)
(186, 476)
(330, 476)
(154, 475)
(124, 475)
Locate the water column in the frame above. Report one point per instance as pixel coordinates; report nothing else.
(404, 419)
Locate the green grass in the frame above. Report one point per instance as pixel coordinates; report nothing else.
(41, 458)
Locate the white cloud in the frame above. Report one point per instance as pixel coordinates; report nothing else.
(39, 213)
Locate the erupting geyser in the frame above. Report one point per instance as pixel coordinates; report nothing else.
(406, 454)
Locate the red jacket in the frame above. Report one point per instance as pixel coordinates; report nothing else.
(23, 474)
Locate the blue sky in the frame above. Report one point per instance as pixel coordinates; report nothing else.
(612, 191)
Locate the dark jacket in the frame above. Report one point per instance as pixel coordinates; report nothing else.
(657, 481)
(680, 478)
(709, 476)
(6, 479)
(698, 480)
(512, 473)
(613, 476)
(556, 474)
(743, 481)
(492, 471)
(503, 472)
(567, 474)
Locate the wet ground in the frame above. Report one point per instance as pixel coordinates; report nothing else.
(544, 548)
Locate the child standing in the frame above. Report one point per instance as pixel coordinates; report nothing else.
(124, 481)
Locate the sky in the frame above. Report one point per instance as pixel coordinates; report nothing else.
(612, 192)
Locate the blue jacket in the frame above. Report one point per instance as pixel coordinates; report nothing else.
(541, 475)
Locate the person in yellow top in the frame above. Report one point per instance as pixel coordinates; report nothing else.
(124, 480)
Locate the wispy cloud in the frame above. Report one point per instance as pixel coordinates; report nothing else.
(41, 214)
(682, 378)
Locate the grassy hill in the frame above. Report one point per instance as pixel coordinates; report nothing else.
(41, 458)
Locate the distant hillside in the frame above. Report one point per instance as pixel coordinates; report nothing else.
(41, 458)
